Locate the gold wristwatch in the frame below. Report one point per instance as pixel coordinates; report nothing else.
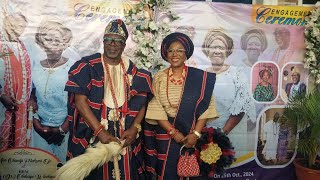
(138, 126)
(197, 134)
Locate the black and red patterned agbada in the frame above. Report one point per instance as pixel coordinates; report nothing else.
(87, 77)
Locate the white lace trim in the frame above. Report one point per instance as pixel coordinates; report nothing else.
(243, 101)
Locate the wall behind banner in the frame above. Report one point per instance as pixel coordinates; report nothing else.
(264, 38)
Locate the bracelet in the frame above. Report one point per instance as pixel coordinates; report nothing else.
(96, 132)
(175, 133)
(62, 132)
(171, 128)
(138, 126)
(197, 134)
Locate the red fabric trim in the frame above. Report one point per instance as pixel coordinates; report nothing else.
(148, 133)
(94, 61)
(141, 94)
(70, 83)
(82, 141)
(104, 111)
(137, 149)
(133, 92)
(150, 169)
(97, 83)
(81, 120)
(69, 154)
(164, 158)
(69, 118)
(105, 172)
(134, 70)
(126, 165)
(147, 78)
(133, 113)
(151, 152)
(204, 80)
(93, 104)
(163, 136)
(89, 86)
(79, 68)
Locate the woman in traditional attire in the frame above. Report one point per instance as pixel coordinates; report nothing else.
(254, 43)
(50, 77)
(231, 91)
(282, 148)
(16, 87)
(181, 106)
(264, 90)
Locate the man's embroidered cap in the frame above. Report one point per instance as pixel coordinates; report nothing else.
(118, 27)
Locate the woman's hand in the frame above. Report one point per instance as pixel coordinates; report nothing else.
(179, 137)
(32, 102)
(129, 135)
(190, 140)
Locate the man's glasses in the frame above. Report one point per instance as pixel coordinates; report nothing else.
(177, 51)
(109, 40)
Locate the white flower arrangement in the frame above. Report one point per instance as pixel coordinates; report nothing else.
(147, 33)
(312, 41)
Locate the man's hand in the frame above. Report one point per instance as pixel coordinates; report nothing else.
(55, 136)
(106, 137)
(129, 135)
(43, 131)
(9, 102)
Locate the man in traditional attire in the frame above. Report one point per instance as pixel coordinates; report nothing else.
(285, 51)
(107, 99)
(296, 87)
(16, 87)
(271, 136)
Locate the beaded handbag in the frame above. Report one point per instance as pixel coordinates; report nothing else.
(188, 165)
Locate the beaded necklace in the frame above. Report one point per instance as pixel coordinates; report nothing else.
(177, 81)
(126, 85)
(183, 80)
